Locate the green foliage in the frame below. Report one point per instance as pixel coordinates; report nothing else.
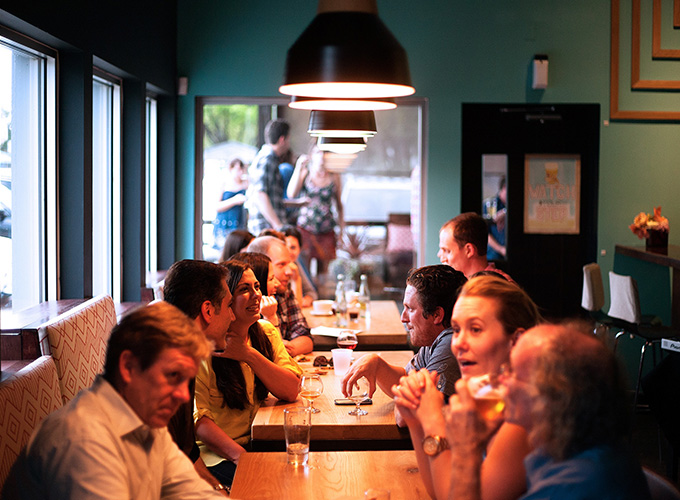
(235, 122)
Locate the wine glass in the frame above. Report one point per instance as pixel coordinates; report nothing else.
(347, 339)
(310, 389)
(359, 393)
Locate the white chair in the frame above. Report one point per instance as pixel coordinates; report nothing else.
(592, 298)
(625, 313)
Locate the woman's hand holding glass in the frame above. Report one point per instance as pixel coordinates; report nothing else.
(466, 429)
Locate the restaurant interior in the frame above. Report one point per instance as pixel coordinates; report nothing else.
(605, 104)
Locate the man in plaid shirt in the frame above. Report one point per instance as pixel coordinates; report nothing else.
(265, 193)
(292, 324)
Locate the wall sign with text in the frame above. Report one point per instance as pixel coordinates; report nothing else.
(552, 194)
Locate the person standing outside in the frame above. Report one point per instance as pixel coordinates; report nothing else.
(265, 193)
(231, 214)
(323, 211)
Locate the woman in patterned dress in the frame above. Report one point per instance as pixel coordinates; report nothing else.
(323, 213)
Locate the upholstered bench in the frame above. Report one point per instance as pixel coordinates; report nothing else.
(26, 398)
(77, 341)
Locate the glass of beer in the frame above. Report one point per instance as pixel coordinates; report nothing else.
(486, 391)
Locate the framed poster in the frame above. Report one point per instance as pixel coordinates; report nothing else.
(552, 194)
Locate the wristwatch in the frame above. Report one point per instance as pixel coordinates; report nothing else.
(221, 487)
(434, 445)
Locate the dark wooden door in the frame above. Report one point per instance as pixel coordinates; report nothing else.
(547, 266)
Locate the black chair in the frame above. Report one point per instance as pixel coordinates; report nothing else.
(625, 313)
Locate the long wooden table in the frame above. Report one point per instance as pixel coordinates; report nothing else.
(330, 475)
(333, 428)
(383, 331)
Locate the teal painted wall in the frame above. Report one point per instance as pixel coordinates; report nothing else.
(459, 51)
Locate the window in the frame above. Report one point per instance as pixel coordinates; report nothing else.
(151, 187)
(382, 188)
(28, 257)
(106, 174)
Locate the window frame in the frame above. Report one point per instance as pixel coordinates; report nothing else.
(116, 210)
(48, 225)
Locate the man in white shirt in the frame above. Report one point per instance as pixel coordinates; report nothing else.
(111, 441)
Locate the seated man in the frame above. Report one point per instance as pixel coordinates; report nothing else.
(302, 282)
(111, 441)
(293, 326)
(463, 244)
(566, 389)
(199, 289)
(430, 294)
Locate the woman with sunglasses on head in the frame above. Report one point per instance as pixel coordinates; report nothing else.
(488, 318)
(231, 386)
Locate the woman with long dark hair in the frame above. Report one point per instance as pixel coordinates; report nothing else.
(264, 273)
(231, 386)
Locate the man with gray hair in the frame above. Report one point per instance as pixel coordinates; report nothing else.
(292, 323)
(111, 441)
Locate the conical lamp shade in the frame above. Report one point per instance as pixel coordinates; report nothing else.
(342, 145)
(347, 53)
(342, 124)
(310, 103)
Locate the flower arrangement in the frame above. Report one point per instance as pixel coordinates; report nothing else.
(644, 223)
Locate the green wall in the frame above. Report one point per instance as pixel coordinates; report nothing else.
(459, 51)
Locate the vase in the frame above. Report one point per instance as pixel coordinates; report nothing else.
(657, 241)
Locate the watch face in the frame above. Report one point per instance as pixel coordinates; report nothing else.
(430, 445)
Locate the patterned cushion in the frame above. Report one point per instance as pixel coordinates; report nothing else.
(25, 400)
(77, 341)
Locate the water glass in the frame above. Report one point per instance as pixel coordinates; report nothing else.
(297, 426)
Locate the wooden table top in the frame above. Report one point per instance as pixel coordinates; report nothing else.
(334, 423)
(384, 329)
(331, 475)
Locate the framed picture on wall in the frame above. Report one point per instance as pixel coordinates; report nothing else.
(552, 194)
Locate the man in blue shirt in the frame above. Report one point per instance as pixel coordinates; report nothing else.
(430, 294)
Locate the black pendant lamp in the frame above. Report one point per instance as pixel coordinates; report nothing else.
(347, 53)
(337, 104)
(342, 145)
(342, 124)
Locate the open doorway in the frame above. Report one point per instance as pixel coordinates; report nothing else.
(382, 188)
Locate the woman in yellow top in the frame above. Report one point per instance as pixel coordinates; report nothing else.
(231, 386)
